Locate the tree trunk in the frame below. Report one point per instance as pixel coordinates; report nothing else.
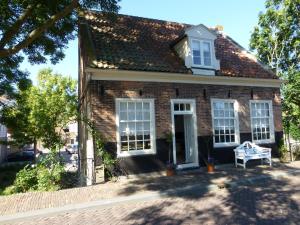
(35, 149)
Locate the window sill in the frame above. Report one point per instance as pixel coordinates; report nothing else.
(202, 67)
(135, 153)
(226, 145)
(267, 141)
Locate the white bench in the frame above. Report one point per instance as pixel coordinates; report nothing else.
(248, 151)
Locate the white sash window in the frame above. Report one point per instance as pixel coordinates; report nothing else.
(262, 124)
(225, 122)
(135, 123)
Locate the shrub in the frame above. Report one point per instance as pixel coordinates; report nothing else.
(26, 180)
(282, 149)
(49, 179)
(45, 176)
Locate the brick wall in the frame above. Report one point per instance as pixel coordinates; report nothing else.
(103, 94)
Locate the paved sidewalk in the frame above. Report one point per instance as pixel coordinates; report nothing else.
(136, 188)
(274, 201)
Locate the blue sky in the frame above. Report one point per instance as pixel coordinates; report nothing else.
(238, 17)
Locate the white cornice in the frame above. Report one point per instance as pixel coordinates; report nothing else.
(126, 75)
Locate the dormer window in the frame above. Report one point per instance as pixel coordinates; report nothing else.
(201, 50)
(198, 51)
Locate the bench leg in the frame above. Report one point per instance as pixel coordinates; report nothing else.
(270, 160)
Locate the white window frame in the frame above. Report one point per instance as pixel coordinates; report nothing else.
(236, 122)
(271, 121)
(152, 128)
(202, 53)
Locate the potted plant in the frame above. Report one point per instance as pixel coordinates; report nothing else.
(170, 165)
(210, 162)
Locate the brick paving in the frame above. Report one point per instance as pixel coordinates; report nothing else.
(271, 202)
(127, 187)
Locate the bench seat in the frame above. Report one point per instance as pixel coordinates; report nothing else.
(250, 151)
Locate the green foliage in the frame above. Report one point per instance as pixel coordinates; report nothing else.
(282, 148)
(276, 40)
(42, 111)
(109, 162)
(38, 30)
(295, 131)
(8, 176)
(26, 180)
(46, 175)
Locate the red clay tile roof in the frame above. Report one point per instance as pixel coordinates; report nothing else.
(135, 43)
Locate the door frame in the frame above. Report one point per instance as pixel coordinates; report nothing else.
(192, 103)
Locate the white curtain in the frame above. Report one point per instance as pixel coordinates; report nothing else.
(189, 138)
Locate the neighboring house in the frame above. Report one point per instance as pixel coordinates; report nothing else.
(141, 78)
(72, 137)
(3, 148)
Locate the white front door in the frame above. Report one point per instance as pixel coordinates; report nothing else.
(184, 130)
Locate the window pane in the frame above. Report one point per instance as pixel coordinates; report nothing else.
(147, 144)
(146, 125)
(207, 53)
(124, 146)
(123, 106)
(139, 135)
(146, 115)
(123, 127)
(176, 107)
(132, 145)
(146, 106)
(124, 137)
(227, 138)
(139, 115)
(139, 145)
(196, 52)
(187, 107)
(232, 138)
(181, 107)
(139, 106)
(197, 60)
(131, 115)
(196, 45)
(123, 115)
(131, 106)
(139, 126)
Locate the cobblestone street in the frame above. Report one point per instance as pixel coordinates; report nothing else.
(270, 202)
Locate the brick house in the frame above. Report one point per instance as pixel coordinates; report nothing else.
(142, 78)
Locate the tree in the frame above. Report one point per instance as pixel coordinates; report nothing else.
(39, 30)
(42, 112)
(291, 104)
(276, 41)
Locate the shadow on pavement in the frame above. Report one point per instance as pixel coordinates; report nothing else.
(270, 201)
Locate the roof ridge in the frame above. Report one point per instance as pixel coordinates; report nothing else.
(141, 17)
